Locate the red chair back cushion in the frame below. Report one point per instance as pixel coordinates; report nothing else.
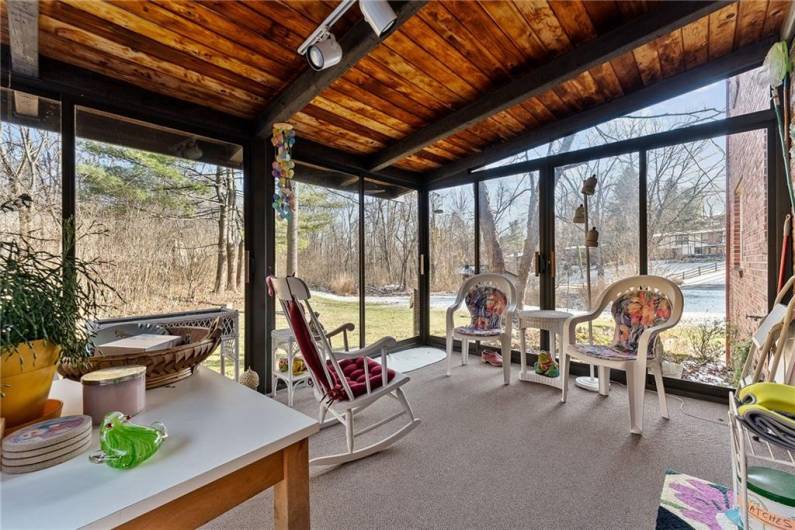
(353, 369)
(304, 339)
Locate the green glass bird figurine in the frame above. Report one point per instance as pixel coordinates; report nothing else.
(124, 445)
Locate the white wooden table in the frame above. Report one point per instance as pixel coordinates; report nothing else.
(226, 444)
(544, 319)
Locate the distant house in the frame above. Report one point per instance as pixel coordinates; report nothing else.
(691, 245)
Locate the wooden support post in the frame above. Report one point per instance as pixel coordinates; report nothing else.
(259, 220)
(23, 29)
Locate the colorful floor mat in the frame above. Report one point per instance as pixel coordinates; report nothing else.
(691, 503)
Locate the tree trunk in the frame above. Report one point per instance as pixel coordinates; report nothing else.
(231, 261)
(221, 243)
(241, 264)
(292, 238)
(488, 230)
(231, 232)
(530, 242)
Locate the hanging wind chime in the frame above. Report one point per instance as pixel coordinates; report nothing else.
(283, 170)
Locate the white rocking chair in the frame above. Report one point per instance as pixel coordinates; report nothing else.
(347, 382)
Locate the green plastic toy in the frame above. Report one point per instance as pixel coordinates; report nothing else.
(124, 445)
(546, 365)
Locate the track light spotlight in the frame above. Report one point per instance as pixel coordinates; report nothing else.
(321, 48)
(324, 53)
(378, 14)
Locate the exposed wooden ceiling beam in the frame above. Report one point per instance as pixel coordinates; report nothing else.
(23, 29)
(87, 88)
(356, 43)
(661, 21)
(111, 95)
(743, 59)
(323, 157)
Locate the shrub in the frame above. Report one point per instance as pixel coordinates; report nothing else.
(740, 351)
(343, 284)
(707, 341)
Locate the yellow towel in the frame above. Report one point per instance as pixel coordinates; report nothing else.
(768, 409)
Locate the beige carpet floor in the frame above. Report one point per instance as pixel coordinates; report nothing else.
(489, 456)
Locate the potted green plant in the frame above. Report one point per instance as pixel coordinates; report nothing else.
(45, 301)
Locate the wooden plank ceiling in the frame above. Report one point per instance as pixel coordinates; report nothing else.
(235, 56)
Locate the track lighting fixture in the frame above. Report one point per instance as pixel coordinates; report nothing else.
(378, 14)
(325, 53)
(321, 48)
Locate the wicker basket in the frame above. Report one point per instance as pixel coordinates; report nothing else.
(163, 367)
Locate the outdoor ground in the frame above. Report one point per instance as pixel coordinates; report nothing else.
(392, 316)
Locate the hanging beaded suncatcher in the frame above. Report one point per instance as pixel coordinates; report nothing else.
(283, 169)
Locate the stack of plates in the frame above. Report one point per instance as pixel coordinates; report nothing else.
(46, 444)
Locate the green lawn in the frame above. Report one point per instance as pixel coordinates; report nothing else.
(381, 320)
(398, 321)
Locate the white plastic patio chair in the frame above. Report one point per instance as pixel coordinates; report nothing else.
(491, 300)
(642, 307)
(345, 383)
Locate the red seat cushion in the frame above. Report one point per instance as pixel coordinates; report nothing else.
(353, 369)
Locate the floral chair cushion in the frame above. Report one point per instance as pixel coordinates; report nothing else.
(611, 353)
(486, 306)
(475, 332)
(634, 312)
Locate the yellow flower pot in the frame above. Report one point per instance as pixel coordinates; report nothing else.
(26, 377)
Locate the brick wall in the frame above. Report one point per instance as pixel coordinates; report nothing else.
(746, 202)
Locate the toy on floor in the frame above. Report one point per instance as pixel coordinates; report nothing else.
(491, 357)
(546, 365)
(298, 364)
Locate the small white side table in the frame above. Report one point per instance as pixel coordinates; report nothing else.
(285, 339)
(548, 320)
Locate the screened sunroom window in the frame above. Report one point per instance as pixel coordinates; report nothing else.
(740, 94)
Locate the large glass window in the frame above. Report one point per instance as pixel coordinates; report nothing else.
(509, 232)
(509, 236)
(162, 212)
(612, 213)
(30, 166)
(452, 252)
(699, 193)
(740, 94)
(320, 243)
(390, 262)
